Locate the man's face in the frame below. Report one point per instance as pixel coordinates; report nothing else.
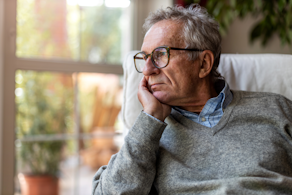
(179, 82)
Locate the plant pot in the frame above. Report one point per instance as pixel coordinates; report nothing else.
(38, 184)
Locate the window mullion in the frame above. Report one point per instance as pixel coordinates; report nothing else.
(7, 139)
(64, 66)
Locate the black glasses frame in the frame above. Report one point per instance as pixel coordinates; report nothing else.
(168, 55)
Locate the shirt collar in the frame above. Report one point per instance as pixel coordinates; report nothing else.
(226, 93)
(223, 99)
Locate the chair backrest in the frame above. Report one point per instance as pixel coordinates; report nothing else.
(248, 72)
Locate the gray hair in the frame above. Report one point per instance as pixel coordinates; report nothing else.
(200, 30)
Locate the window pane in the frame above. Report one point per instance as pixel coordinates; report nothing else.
(48, 142)
(100, 97)
(44, 126)
(44, 103)
(88, 30)
(54, 156)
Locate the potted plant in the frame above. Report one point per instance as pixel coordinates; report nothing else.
(44, 103)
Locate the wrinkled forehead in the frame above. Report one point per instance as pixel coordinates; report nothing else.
(164, 33)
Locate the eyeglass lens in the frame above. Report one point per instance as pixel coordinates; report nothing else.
(159, 56)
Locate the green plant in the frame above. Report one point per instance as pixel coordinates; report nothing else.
(44, 107)
(92, 33)
(275, 17)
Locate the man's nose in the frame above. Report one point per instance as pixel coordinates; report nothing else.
(149, 68)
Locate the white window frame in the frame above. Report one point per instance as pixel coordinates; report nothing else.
(9, 64)
(1, 86)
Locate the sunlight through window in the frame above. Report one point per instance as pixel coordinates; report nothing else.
(117, 3)
(85, 3)
(92, 3)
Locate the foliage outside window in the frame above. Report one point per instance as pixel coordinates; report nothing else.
(46, 132)
(45, 104)
(91, 34)
(275, 16)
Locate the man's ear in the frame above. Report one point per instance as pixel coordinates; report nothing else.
(207, 61)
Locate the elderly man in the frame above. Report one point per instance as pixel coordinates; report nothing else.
(195, 135)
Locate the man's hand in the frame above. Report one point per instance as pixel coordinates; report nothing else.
(150, 104)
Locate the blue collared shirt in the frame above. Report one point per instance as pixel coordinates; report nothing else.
(213, 109)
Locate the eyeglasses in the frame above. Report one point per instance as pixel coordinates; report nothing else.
(159, 57)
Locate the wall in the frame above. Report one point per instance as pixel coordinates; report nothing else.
(142, 9)
(237, 40)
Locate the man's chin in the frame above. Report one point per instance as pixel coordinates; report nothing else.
(161, 97)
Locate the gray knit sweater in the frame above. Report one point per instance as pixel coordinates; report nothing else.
(248, 152)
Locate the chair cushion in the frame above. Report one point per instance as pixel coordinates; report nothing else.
(131, 106)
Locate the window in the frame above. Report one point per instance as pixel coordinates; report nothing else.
(63, 88)
(53, 138)
(91, 30)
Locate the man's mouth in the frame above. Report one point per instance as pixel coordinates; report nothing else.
(155, 85)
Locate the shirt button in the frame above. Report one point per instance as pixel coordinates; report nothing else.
(203, 119)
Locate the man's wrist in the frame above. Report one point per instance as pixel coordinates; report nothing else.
(153, 117)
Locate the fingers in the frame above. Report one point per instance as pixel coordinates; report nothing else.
(144, 84)
(150, 104)
(143, 93)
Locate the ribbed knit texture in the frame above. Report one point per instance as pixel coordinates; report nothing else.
(248, 152)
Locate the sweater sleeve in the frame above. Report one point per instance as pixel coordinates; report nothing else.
(132, 170)
(287, 108)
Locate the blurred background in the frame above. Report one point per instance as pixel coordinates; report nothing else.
(62, 79)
